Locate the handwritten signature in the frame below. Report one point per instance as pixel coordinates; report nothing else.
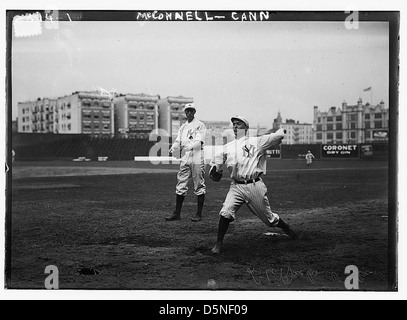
(287, 275)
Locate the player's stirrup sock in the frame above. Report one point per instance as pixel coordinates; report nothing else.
(178, 205)
(201, 200)
(177, 213)
(222, 228)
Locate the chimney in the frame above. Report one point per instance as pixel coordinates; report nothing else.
(344, 105)
(315, 110)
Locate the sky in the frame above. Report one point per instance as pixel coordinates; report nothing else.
(254, 69)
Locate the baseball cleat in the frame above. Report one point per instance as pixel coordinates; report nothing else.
(196, 218)
(175, 216)
(286, 228)
(217, 248)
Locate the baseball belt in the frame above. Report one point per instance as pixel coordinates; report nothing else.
(247, 181)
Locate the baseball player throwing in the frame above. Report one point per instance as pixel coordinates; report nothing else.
(245, 158)
(189, 146)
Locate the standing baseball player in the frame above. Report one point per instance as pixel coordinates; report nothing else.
(308, 157)
(245, 158)
(189, 146)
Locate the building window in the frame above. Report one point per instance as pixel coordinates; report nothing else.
(353, 117)
(68, 115)
(339, 118)
(367, 125)
(319, 119)
(319, 136)
(367, 116)
(329, 119)
(378, 116)
(339, 126)
(353, 125)
(353, 135)
(329, 136)
(339, 135)
(69, 126)
(329, 127)
(378, 124)
(319, 127)
(96, 115)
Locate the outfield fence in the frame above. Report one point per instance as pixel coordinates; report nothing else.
(77, 147)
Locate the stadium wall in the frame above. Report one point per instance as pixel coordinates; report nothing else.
(32, 146)
(69, 147)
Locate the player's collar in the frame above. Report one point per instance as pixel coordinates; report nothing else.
(242, 138)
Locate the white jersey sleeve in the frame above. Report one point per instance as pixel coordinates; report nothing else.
(268, 140)
(219, 159)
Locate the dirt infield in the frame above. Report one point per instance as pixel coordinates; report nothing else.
(103, 227)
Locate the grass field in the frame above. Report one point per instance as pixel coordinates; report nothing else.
(102, 225)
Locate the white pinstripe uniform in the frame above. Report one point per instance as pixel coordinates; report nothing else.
(193, 161)
(245, 159)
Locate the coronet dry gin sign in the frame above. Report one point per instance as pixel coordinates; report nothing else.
(340, 151)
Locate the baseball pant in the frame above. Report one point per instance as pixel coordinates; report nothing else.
(191, 166)
(255, 196)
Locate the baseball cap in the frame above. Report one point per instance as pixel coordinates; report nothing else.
(190, 106)
(241, 119)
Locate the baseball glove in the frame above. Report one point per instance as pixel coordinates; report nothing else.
(215, 175)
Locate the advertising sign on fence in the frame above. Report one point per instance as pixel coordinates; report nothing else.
(340, 151)
(274, 152)
(366, 150)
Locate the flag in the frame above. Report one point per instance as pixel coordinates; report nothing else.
(367, 89)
